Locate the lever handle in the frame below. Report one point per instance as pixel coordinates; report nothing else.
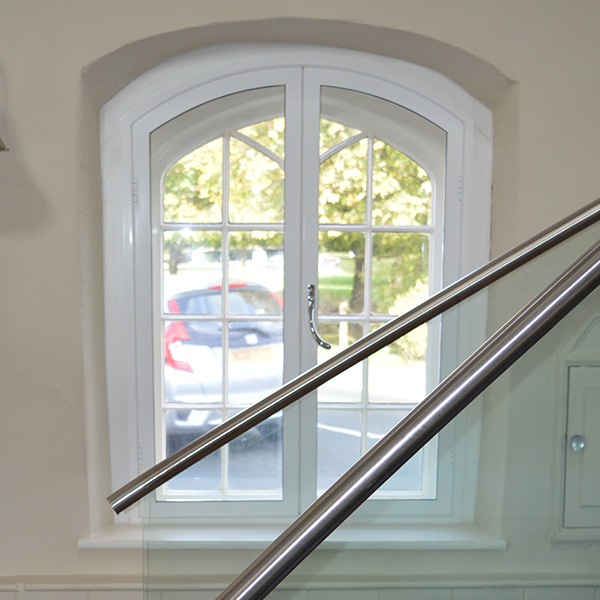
(311, 318)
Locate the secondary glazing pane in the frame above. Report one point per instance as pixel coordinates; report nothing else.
(347, 386)
(255, 457)
(342, 275)
(193, 367)
(333, 133)
(192, 189)
(255, 360)
(339, 444)
(256, 273)
(401, 188)
(255, 186)
(270, 134)
(343, 186)
(397, 373)
(410, 476)
(400, 272)
(183, 427)
(192, 272)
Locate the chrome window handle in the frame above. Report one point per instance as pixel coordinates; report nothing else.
(311, 318)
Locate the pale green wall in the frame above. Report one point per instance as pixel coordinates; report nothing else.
(535, 63)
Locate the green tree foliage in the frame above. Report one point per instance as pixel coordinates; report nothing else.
(255, 186)
(401, 196)
(401, 193)
(193, 192)
(401, 188)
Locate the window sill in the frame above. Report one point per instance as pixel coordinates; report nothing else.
(356, 537)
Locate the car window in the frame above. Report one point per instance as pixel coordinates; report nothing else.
(242, 301)
(262, 302)
(199, 304)
(238, 304)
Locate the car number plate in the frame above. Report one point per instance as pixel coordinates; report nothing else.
(263, 353)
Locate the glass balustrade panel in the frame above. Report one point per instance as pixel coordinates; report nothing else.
(200, 556)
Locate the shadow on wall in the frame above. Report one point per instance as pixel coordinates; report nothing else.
(109, 74)
(23, 206)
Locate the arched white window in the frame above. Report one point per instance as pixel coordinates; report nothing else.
(236, 177)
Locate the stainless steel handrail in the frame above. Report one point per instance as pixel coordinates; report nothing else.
(388, 333)
(417, 428)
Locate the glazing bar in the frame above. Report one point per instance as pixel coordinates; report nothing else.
(372, 342)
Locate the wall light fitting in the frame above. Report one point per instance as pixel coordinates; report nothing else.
(3, 148)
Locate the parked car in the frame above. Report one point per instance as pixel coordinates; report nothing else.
(193, 369)
(193, 374)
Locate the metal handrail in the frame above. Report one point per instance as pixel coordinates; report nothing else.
(372, 342)
(450, 397)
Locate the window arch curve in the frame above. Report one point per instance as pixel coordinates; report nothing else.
(172, 110)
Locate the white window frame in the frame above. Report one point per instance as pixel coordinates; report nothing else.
(405, 131)
(179, 84)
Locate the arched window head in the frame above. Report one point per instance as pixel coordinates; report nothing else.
(236, 177)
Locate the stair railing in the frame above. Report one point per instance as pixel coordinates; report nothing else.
(363, 348)
(446, 401)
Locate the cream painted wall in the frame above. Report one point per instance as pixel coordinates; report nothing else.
(534, 62)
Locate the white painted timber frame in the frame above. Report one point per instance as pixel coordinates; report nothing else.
(184, 82)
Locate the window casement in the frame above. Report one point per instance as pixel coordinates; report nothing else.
(234, 178)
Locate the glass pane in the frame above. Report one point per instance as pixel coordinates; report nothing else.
(348, 385)
(193, 367)
(255, 360)
(397, 373)
(333, 133)
(410, 475)
(192, 271)
(338, 438)
(400, 276)
(341, 273)
(183, 427)
(256, 273)
(401, 188)
(193, 186)
(255, 457)
(343, 186)
(255, 186)
(270, 134)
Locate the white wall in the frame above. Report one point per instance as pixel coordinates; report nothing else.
(535, 63)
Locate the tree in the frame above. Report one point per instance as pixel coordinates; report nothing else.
(400, 191)
(401, 196)
(193, 193)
